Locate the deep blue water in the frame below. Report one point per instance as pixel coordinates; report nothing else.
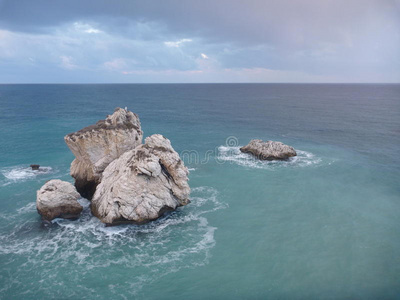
(324, 225)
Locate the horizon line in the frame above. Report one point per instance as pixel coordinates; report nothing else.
(97, 83)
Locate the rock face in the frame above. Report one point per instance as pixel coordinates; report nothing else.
(58, 199)
(269, 150)
(142, 184)
(98, 145)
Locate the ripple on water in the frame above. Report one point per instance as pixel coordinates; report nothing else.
(182, 239)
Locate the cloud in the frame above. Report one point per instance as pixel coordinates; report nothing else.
(177, 44)
(67, 62)
(116, 64)
(85, 28)
(354, 40)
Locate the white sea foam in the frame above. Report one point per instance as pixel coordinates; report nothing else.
(20, 173)
(182, 239)
(27, 209)
(30, 207)
(234, 155)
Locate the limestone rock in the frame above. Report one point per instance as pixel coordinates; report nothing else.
(269, 150)
(97, 145)
(142, 184)
(58, 199)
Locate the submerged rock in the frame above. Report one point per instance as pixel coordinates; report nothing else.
(58, 199)
(98, 145)
(142, 184)
(269, 150)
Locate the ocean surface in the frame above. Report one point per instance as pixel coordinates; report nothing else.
(323, 225)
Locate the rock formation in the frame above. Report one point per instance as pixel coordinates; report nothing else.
(98, 145)
(142, 184)
(128, 182)
(35, 167)
(58, 199)
(269, 150)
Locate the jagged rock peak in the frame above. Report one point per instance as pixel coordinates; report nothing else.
(120, 119)
(97, 145)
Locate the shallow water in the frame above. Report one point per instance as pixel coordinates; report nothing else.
(322, 225)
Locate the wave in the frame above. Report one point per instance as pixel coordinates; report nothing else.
(181, 239)
(20, 173)
(30, 207)
(234, 155)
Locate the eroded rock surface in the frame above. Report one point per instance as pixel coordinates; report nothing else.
(58, 199)
(142, 184)
(269, 150)
(98, 145)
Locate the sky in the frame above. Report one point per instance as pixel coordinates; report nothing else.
(190, 41)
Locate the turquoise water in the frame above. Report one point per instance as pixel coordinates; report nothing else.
(323, 225)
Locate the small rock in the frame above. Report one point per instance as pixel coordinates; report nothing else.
(35, 167)
(58, 199)
(269, 150)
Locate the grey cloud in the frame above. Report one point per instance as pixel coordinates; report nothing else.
(328, 37)
(250, 21)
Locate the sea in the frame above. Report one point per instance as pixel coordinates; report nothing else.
(322, 225)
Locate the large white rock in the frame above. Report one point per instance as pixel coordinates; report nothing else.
(269, 150)
(58, 199)
(97, 145)
(142, 184)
